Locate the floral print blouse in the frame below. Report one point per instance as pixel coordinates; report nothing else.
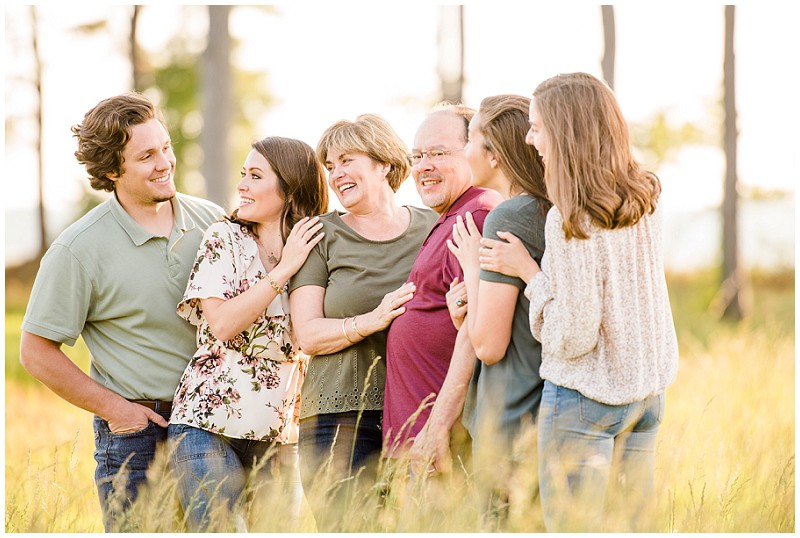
(247, 387)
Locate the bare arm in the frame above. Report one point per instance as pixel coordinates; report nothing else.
(318, 335)
(45, 361)
(491, 319)
(229, 317)
(491, 304)
(432, 444)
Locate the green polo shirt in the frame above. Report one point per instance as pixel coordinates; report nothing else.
(107, 279)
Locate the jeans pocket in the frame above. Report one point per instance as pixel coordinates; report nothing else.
(194, 443)
(600, 415)
(147, 430)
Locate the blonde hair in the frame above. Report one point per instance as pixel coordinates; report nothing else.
(591, 173)
(372, 135)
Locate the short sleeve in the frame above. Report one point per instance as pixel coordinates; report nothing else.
(314, 271)
(530, 231)
(213, 273)
(60, 299)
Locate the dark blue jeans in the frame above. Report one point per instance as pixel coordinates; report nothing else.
(354, 443)
(122, 461)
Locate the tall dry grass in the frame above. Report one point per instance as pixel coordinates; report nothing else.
(724, 462)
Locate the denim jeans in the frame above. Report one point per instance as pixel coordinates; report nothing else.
(580, 440)
(214, 470)
(355, 446)
(122, 458)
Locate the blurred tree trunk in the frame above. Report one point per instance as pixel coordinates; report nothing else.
(216, 106)
(136, 67)
(609, 45)
(731, 278)
(37, 82)
(451, 53)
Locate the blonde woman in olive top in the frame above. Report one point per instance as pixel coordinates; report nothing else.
(351, 287)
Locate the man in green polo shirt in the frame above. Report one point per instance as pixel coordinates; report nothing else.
(115, 277)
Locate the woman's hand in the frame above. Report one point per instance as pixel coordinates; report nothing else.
(456, 295)
(466, 242)
(391, 306)
(301, 240)
(509, 257)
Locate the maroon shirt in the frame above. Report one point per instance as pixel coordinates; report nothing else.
(420, 341)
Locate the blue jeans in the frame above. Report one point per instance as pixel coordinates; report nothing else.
(122, 460)
(213, 471)
(355, 445)
(579, 439)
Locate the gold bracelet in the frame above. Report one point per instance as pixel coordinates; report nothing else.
(274, 284)
(344, 331)
(355, 328)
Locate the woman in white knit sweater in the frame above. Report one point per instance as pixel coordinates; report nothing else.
(599, 306)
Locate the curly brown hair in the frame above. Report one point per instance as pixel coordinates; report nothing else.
(105, 131)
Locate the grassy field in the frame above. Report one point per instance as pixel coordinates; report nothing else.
(725, 457)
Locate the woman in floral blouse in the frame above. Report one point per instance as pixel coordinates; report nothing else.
(238, 400)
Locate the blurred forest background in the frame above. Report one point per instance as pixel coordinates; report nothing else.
(730, 256)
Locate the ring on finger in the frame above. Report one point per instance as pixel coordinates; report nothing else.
(460, 301)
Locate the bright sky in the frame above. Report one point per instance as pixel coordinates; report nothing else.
(331, 61)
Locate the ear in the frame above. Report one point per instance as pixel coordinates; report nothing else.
(494, 161)
(113, 176)
(386, 169)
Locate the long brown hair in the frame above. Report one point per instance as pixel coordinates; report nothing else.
(301, 179)
(504, 124)
(591, 171)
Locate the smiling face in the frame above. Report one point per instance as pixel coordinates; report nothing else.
(261, 199)
(537, 136)
(440, 184)
(148, 167)
(354, 177)
(478, 157)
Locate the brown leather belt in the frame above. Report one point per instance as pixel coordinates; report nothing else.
(159, 406)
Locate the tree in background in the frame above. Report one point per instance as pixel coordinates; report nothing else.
(209, 104)
(450, 46)
(731, 307)
(136, 62)
(215, 98)
(37, 81)
(609, 45)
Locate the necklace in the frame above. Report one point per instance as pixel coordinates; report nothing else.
(268, 256)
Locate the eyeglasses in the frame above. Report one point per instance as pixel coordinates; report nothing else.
(436, 156)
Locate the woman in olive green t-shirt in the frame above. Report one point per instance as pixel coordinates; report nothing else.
(350, 289)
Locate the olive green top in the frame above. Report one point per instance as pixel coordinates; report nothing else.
(356, 273)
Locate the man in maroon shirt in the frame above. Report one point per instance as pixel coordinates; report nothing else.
(429, 363)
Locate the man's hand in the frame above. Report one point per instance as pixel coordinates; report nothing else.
(430, 453)
(456, 295)
(131, 417)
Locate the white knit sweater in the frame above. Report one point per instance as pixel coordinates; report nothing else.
(601, 311)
